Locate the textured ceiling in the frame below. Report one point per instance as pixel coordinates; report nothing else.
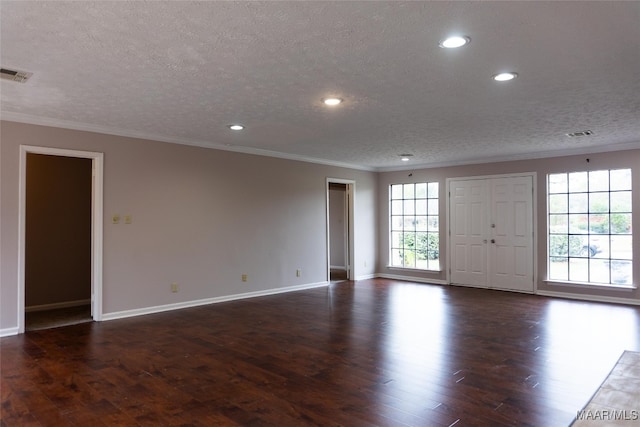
(182, 71)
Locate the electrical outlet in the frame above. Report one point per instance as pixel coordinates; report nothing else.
(298, 273)
(174, 287)
(127, 219)
(244, 277)
(115, 219)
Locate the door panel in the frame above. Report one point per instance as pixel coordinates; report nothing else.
(511, 264)
(468, 232)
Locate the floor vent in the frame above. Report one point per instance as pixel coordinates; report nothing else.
(581, 133)
(13, 75)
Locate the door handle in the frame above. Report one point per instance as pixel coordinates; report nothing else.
(493, 240)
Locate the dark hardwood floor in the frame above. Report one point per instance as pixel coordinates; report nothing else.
(368, 353)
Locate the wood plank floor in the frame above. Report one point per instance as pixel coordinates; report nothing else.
(368, 353)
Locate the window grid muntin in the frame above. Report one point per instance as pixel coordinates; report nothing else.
(581, 267)
(414, 225)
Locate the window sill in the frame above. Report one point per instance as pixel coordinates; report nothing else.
(593, 285)
(392, 267)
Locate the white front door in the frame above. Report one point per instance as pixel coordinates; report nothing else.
(491, 225)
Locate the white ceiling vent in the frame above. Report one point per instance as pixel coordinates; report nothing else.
(14, 75)
(580, 133)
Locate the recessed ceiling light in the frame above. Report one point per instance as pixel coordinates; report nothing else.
(405, 157)
(505, 77)
(332, 101)
(236, 127)
(454, 42)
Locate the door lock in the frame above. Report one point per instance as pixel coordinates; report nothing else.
(493, 240)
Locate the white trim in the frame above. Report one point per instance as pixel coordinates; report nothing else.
(593, 298)
(96, 224)
(9, 331)
(338, 267)
(56, 305)
(367, 276)
(412, 279)
(66, 124)
(207, 301)
(586, 285)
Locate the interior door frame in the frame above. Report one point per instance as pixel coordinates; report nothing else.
(97, 202)
(534, 196)
(351, 191)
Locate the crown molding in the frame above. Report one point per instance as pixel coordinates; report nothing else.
(86, 127)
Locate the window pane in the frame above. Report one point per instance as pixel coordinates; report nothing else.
(599, 269)
(408, 191)
(558, 268)
(559, 245)
(558, 203)
(421, 223)
(396, 223)
(621, 247)
(421, 207)
(396, 239)
(620, 223)
(433, 190)
(558, 183)
(558, 223)
(579, 269)
(599, 224)
(409, 258)
(621, 272)
(409, 207)
(396, 191)
(433, 207)
(578, 223)
(620, 179)
(396, 207)
(599, 181)
(409, 223)
(396, 257)
(577, 245)
(433, 223)
(421, 191)
(621, 201)
(598, 202)
(578, 203)
(421, 246)
(577, 182)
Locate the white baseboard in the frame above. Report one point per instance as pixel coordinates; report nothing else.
(207, 301)
(594, 298)
(412, 278)
(366, 276)
(9, 331)
(57, 305)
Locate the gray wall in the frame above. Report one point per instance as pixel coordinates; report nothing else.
(612, 160)
(200, 217)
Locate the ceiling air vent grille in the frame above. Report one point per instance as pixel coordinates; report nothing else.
(580, 133)
(15, 76)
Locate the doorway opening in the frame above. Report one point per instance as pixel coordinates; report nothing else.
(340, 229)
(60, 279)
